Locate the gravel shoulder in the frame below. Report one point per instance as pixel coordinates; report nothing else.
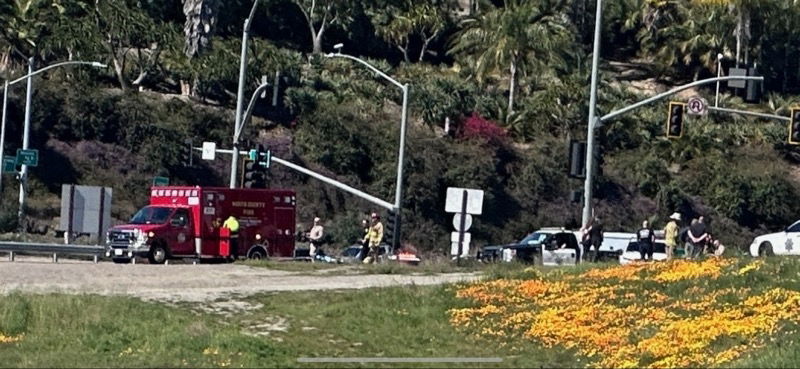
(186, 282)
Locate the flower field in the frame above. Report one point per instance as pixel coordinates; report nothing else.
(660, 315)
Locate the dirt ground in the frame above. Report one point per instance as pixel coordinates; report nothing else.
(185, 282)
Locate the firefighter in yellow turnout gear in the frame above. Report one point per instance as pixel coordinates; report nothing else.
(233, 225)
(373, 238)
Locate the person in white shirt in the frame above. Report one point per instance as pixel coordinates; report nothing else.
(315, 237)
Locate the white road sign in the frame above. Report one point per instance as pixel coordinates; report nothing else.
(454, 249)
(697, 106)
(455, 197)
(209, 150)
(457, 222)
(467, 237)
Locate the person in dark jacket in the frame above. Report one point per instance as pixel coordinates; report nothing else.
(646, 238)
(595, 239)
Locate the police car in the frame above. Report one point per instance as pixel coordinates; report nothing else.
(786, 242)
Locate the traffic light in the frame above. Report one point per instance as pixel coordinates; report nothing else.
(577, 159)
(186, 153)
(794, 127)
(675, 119)
(392, 229)
(263, 156)
(254, 176)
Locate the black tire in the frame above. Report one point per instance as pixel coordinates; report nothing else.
(158, 253)
(258, 253)
(765, 250)
(121, 260)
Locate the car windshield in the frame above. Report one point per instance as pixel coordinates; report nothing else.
(351, 252)
(535, 238)
(151, 215)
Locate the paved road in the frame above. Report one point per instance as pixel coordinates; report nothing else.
(190, 283)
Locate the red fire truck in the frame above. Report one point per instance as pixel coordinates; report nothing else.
(183, 222)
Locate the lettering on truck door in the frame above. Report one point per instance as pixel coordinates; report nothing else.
(181, 240)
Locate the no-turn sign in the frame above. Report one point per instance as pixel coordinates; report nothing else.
(697, 105)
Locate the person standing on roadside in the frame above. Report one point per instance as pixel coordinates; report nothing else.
(315, 238)
(671, 234)
(586, 240)
(595, 238)
(365, 240)
(698, 236)
(646, 238)
(233, 226)
(374, 239)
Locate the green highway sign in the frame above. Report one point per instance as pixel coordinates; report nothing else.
(9, 164)
(29, 157)
(160, 181)
(253, 154)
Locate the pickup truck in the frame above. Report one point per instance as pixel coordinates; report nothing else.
(550, 241)
(540, 247)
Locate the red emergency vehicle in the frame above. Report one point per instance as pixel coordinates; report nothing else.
(187, 222)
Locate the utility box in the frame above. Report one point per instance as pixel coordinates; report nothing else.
(85, 209)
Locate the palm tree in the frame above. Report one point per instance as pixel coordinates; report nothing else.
(519, 35)
(201, 17)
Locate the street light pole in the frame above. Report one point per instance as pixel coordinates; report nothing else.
(23, 175)
(398, 194)
(587, 190)
(240, 94)
(3, 131)
(26, 131)
(719, 74)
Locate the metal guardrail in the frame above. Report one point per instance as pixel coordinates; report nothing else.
(51, 248)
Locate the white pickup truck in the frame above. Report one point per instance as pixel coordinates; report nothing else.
(786, 242)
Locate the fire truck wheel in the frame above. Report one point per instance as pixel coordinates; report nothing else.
(157, 254)
(257, 253)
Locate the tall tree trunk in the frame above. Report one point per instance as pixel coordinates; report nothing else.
(119, 70)
(317, 42)
(738, 32)
(426, 41)
(511, 87)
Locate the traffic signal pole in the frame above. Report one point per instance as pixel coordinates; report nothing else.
(240, 94)
(593, 122)
(598, 122)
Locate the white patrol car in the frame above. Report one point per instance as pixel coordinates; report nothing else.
(786, 242)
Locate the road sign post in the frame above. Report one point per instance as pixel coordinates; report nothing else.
(209, 150)
(697, 106)
(461, 225)
(464, 202)
(160, 181)
(29, 157)
(9, 164)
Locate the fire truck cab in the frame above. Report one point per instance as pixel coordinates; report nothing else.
(186, 222)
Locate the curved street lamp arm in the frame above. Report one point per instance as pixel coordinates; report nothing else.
(249, 112)
(673, 91)
(94, 64)
(376, 70)
(250, 18)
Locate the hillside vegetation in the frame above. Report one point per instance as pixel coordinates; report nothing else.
(509, 79)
